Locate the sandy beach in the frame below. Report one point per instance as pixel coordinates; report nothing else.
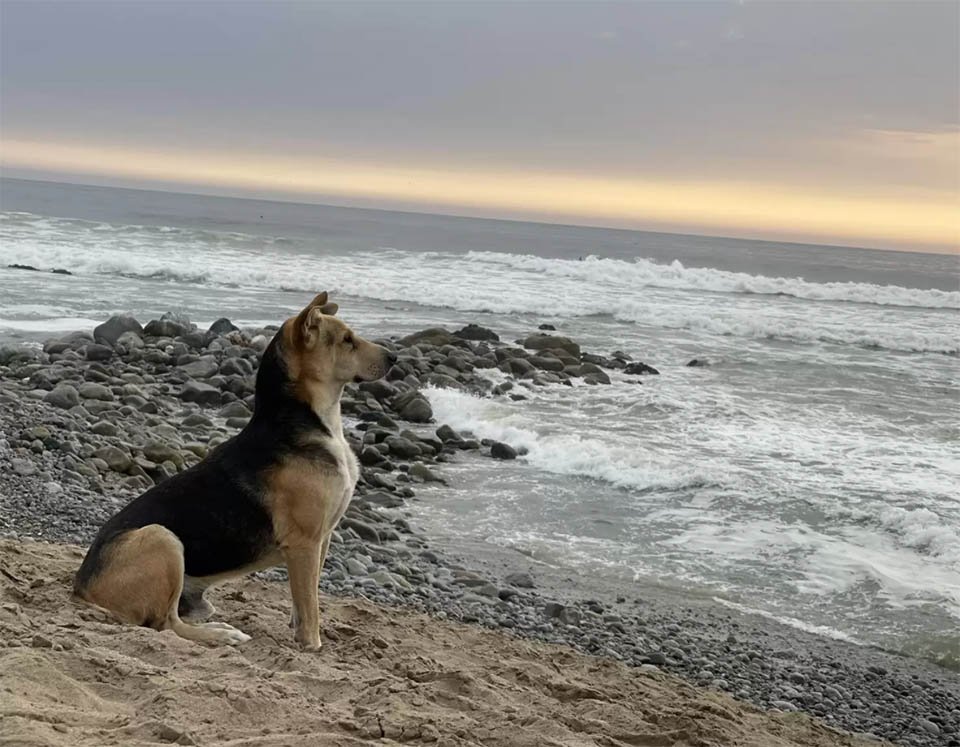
(73, 677)
(423, 642)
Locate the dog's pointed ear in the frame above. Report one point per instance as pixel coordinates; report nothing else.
(309, 322)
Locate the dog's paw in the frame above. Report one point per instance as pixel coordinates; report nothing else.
(236, 637)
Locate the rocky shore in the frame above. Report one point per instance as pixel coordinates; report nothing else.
(92, 419)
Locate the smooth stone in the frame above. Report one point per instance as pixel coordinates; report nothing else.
(64, 396)
(499, 450)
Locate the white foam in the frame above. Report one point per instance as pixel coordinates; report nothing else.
(53, 324)
(641, 273)
(564, 453)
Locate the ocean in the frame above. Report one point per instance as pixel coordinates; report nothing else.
(809, 471)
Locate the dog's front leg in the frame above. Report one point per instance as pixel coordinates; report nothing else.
(303, 568)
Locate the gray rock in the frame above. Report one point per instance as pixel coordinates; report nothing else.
(402, 447)
(165, 328)
(110, 331)
(476, 332)
(446, 433)
(64, 396)
(159, 452)
(363, 530)
(520, 580)
(236, 367)
(499, 450)
(223, 326)
(416, 409)
(640, 369)
(436, 336)
(116, 460)
(541, 341)
(235, 410)
(202, 394)
(92, 390)
(95, 352)
(23, 467)
(104, 428)
(423, 472)
(201, 369)
(355, 567)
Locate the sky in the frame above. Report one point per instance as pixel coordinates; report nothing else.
(827, 122)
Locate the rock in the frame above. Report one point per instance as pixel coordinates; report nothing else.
(929, 727)
(165, 328)
(416, 409)
(223, 326)
(364, 531)
(657, 657)
(698, 363)
(23, 467)
(92, 390)
(380, 389)
(159, 452)
(381, 500)
(104, 428)
(499, 450)
(436, 336)
(235, 409)
(41, 641)
(476, 332)
(561, 612)
(421, 471)
(520, 580)
(446, 433)
(64, 396)
(540, 341)
(201, 369)
(202, 394)
(236, 367)
(116, 460)
(355, 567)
(547, 327)
(95, 352)
(546, 364)
(402, 447)
(640, 369)
(110, 331)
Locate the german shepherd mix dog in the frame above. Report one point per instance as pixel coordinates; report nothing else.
(272, 494)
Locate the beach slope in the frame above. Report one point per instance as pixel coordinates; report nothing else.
(71, 676)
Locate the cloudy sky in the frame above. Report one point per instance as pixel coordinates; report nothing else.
(823, 121)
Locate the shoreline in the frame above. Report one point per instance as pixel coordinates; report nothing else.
(91, 423)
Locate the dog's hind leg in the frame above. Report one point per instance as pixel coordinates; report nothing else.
(193, 606)
(141, 581)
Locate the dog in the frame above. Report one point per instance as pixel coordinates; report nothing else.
(271, 495)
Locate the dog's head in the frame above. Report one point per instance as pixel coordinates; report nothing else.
(322, 349)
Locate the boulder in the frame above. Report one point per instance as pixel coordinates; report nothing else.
(201, 369)
(223, 326)
(64, 396)
(92, 390)
(476, 332)
(202, 394)
(96, 352)
(500, 450)
(111, 330)
(541, 341)
(116, 460)
(436, 336)
(414, 407)
(402, 447)
(639, 368)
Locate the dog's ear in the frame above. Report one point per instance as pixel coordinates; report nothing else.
(309, 322)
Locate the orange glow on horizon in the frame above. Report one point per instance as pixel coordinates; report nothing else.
(928, 221)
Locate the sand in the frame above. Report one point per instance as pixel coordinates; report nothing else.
(69, 675)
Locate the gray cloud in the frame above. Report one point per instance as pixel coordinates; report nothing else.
(679, 89)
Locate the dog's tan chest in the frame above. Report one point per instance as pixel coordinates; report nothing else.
(307, 495)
